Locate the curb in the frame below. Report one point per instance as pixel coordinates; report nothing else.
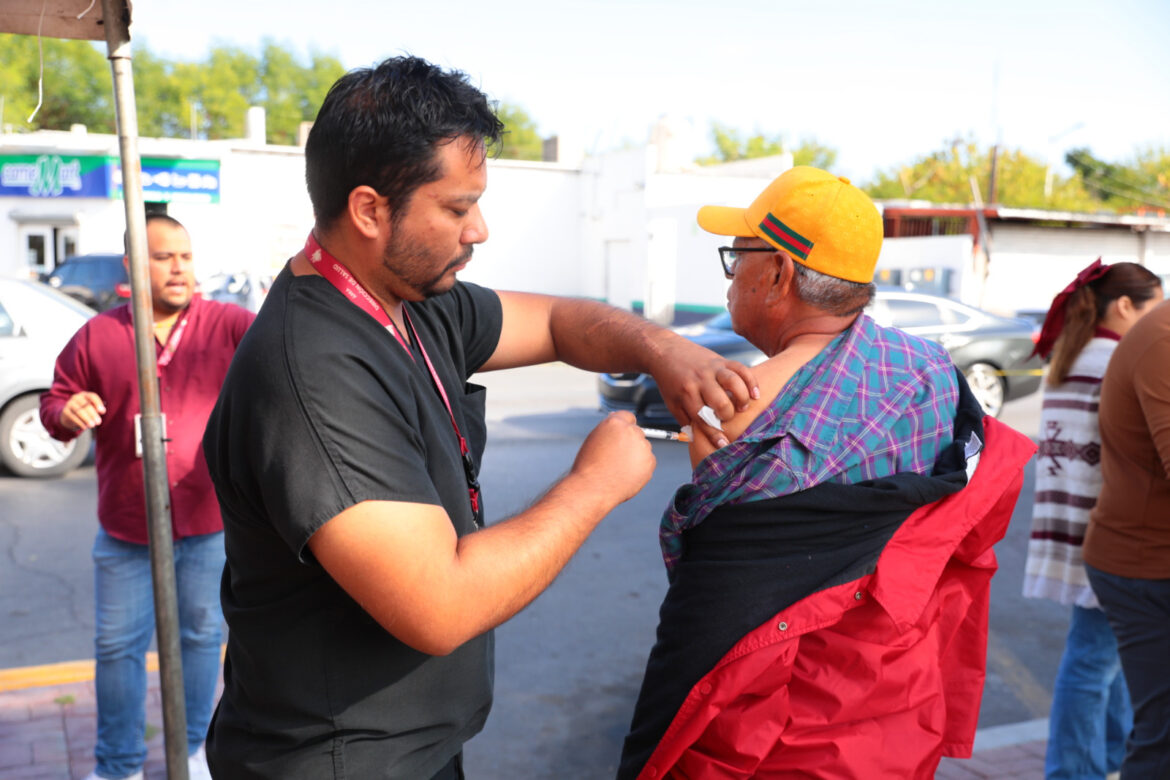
(23, 677)
(1009, 734)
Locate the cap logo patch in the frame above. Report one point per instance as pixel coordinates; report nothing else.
(786, 237)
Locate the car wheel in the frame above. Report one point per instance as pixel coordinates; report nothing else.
(988, 386)
(27, 450)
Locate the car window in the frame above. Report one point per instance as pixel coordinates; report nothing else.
(911, 314)
(109, 273)
(7, 326)
(86, 275)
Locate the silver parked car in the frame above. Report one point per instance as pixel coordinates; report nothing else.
(992, 352)
(36, 322)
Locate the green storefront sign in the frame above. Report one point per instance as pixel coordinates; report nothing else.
(93, 176)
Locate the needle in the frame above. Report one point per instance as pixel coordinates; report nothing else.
(658, 433)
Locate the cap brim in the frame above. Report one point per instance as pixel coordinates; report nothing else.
(725, 221)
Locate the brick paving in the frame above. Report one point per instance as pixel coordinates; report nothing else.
(48, 733)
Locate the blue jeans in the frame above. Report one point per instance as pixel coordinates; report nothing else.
(1091, 716)
(1139, 613)
(125, 625)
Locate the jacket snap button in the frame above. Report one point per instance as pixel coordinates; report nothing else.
(783, 626)
(652, 771)
(857, 595)
(705, 688)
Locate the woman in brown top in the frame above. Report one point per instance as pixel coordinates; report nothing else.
(1127, 544)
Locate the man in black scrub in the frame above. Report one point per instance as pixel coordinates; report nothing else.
(361, 588)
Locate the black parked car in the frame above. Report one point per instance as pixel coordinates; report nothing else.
(99, 281)
(992, 352)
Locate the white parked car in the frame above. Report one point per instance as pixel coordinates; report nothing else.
(36, 322)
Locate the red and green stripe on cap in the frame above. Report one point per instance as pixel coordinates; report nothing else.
(786, 237)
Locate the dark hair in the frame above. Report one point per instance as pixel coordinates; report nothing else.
(152, 216)
(380, 127)
(1086, 307)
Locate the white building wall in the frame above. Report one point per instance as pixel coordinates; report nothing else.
(1157, 251)
(1030, 265)
(612, 229)
(674, 199)
(97, 223)
(535, 231)
(263, 217)
(941, 253)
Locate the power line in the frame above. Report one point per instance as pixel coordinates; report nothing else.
(1101, 179)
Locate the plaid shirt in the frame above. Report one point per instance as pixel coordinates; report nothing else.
(875, 402)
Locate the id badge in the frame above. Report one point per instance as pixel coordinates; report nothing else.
(138, 432)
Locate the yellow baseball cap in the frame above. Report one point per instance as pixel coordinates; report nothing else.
(822, 220)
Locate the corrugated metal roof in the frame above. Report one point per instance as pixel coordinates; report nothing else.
(78, 19)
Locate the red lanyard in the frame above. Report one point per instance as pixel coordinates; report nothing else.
(173, 342)
(339, 276)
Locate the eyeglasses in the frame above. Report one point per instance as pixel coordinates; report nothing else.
(730, 256)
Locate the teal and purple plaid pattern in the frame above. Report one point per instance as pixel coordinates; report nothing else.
(875, 402)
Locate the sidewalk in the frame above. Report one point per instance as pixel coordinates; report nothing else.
(48, 723)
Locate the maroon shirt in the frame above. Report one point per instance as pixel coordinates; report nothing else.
(100, 358)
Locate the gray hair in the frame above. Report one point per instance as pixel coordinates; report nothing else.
(839, 297)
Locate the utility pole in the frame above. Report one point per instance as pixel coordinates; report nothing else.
(992, 194)
(1048, 174)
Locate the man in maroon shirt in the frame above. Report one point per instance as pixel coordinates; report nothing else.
(95, 387)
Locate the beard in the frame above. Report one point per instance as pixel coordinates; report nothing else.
(421, 268)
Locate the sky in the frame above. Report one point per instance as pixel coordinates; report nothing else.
(882, 83)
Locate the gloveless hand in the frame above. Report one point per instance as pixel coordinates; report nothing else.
(616, 458)
(691, 377)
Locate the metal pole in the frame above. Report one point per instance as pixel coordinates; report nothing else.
(983, 268)
(158, 508)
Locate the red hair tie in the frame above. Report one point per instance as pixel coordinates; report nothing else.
(1054, 320)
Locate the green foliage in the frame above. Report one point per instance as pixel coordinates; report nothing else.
(811, 152)
(730, 145)
(1141, 183)
(521, 141)
(292, 94)
(944, 176)
(77, 84)
(207, 99)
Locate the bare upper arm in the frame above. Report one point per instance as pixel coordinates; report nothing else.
(772, 375)
(526, 331)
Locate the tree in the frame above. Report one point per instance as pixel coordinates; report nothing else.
(521, 141)
(1140, 183)
(944, 176)
(207, 99)
(164, 105)
(811, 152)
(76, 86)
(730, 145)
(292, 93)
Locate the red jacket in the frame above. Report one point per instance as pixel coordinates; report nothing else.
(875, 678)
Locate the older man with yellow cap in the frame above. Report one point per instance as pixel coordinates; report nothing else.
(829, 569)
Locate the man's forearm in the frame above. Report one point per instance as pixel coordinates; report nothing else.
(598, 337)
(404, 564)
(508, 564)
